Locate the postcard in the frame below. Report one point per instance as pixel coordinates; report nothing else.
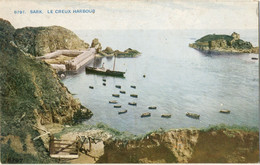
(135, 81)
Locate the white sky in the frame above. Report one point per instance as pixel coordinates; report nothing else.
(142, 14)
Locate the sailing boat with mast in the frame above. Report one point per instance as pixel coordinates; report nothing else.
(105, 71)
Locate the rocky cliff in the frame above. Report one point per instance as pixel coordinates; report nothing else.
(186, 146)
(32, 96)
(213, 43)
(39, 41)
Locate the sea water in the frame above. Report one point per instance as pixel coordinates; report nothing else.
(178, 79)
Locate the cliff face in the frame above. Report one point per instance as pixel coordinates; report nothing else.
(186, 146)
(39, 41)
(224, 43)
(32, 96)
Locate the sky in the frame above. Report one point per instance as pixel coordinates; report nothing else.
(135, 14)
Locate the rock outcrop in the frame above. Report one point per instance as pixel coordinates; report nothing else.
(39, 41)
(31, 96)
(125, 54)
(224, 44)
(186, 146)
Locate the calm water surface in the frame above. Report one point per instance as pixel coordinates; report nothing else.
(178, 79)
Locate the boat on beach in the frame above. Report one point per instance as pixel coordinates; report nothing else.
(147, 114)
(166, 115)
(134, 95)
(152, 107)
(113, 102)
(121, 112)
(193, 115)
(224, 111)
(132, 103)
(103, 71)
(115, 95)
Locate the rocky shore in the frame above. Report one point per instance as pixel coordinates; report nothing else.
(222, 44)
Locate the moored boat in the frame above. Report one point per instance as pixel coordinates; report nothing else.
(193, 115)
(224, 111)
(132, 103)
(123, 111)
(104, 84)
(113, 102)
(91, 87)
(123, 92)
(104, 71)
(104, 80)
(134, 95)
(166, 115)
(133, 86)
(118, 86)
(115, 95)
(152, 107)
(117, 106)
(147, 114)
(254, 58)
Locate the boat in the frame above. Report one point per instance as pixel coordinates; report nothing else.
(254, 58)
(166, 115)
(133, 86)
(104, 71)
(91, 87)
(113, 102)
(132, 103)
(115, 95)
(118, 86)
(104, 84)
(134, 95)
(224, 111)
(152, 107)
(193, 115)
(147, 114)
(121, 112)
(117, 106)
(123, 92)
(104, 80)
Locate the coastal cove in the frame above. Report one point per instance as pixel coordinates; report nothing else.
(178, 79)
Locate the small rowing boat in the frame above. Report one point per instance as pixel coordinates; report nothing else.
(113, 102)
(147, 114)
(118, 86)
(134, 95)
(152, 107)
(166, 115)
(117, 106)
(133, 86)
(132, 103)
(193, 115)
(224, 111)
(123, 92)
(121, 112)
(91, 87)
(115, 95)
(104, 84)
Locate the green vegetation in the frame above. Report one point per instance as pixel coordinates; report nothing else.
(229, 127)
(212, 37)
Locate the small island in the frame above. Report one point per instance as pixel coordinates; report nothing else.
(220, 44)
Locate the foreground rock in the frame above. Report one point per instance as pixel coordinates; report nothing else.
(213, 43)
(186, 146)
(32, 96)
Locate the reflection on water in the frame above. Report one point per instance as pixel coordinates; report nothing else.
(178, 79)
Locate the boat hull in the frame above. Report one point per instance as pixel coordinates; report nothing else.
(104, 72)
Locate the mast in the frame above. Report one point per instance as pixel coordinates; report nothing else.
(114, 63)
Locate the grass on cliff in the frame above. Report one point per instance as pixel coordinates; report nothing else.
(212, 37)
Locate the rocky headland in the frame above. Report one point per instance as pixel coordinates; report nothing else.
(221, 44)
